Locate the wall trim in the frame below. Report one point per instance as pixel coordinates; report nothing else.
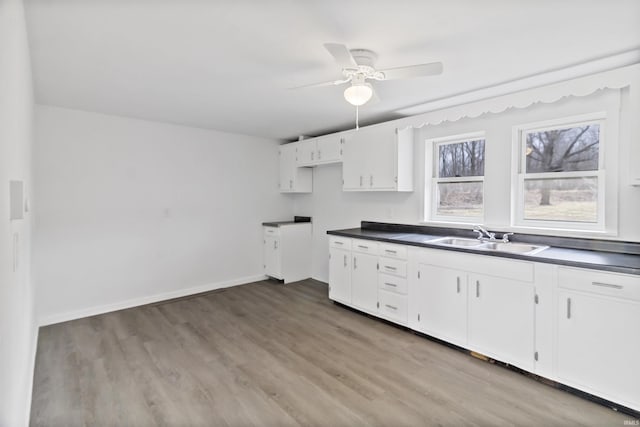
(583, 86)
(32, 369)
(533, 81)
(135, 302)
(323, 280)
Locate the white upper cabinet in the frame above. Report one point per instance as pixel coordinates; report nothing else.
(378, 159)
(292, 178)
(330, 148)
(320, 151)
(306, 152)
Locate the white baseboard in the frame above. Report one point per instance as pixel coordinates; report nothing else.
(319, 279)
(106, 308)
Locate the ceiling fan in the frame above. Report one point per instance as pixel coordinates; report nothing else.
(358, 66)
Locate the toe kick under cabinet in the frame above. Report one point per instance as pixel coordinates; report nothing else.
(287, 251)
(579, 327)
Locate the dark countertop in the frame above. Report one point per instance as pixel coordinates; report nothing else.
(296, 220)
(625, 260)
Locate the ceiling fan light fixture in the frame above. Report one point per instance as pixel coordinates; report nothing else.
(358, 94)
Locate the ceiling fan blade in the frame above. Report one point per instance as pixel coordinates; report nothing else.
(341, 54)
(323, 84)
(411, 71)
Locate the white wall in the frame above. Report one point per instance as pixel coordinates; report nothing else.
(333, 209)
(130, 211)
(17, 327)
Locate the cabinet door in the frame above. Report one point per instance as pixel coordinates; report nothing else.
(354, 163)
(272, 257)
(329, 149)
(598, 345)
(287, 166)
(364, 282)
(306, 154)
(382, 160)
(340, 275)
(501, 319)
(443, 303)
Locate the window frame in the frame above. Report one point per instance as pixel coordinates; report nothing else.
(432, 179)
(520, 176)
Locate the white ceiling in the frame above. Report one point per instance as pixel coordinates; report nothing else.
(227, 64)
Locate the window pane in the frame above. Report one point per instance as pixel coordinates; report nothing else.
(461, 159)
(563, 150)
(566, 199)
(460, 199)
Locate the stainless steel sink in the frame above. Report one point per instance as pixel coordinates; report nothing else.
(518, 248)
(457, 241)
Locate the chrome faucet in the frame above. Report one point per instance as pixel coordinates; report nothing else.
(505, 237)
(482, 232)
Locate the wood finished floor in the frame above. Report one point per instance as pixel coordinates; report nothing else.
(268, 354)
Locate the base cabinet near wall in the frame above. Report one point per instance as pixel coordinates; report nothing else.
(503, 308)
(598, 346)
(286, 251)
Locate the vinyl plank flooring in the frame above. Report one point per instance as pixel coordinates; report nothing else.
(266, 354)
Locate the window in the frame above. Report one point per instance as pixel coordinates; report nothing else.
(457, 175)
(560, 174)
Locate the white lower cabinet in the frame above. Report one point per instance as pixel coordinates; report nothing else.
(272, 257)
(340, 275)
(392, 306)
(598, 343)
(501, 319)
(364, 282)
(492, 306)
(439, 303)
(286, 251)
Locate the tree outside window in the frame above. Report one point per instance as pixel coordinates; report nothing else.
(560, 174)
(458, 182)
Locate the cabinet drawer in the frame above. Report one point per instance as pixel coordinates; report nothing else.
(393, 251)
(393, 266)
(271, 231)
(364, 246)
(601, 283)
(393, 306)
(391, 283)
(340, 242)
